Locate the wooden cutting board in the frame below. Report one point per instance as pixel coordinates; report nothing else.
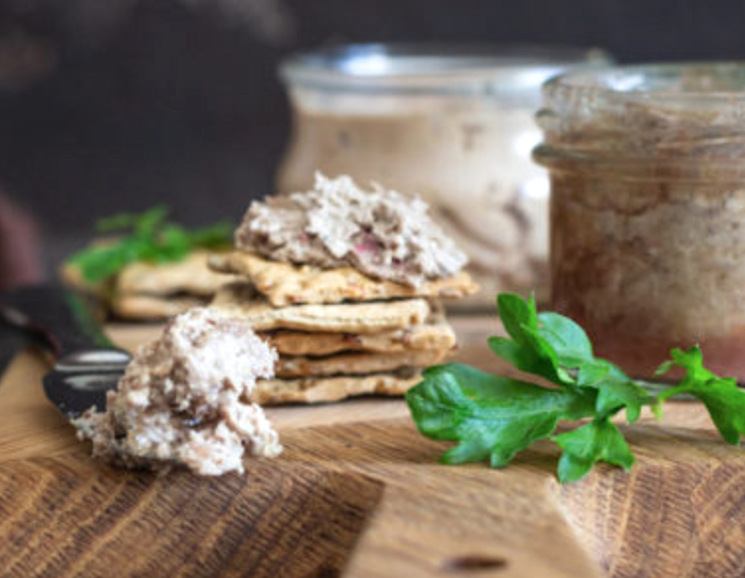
(358, 492)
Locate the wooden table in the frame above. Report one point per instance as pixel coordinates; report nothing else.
(358, 492)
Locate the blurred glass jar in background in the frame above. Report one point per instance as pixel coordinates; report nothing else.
(452, 124)
(648, 210)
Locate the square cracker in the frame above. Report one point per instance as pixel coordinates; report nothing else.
(356, 363)
(152, 307)
(242, 300)
(328, 389)
(436, 333)
(150, 291)
(286, 284)
(191, 275)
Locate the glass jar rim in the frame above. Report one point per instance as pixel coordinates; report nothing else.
(433, 68)
(672, 121)
(682, 82)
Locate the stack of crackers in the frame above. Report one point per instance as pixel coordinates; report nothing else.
(338, 332)
(153, 291)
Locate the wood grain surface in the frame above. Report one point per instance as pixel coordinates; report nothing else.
(358, 493)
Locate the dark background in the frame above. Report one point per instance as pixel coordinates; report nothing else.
(108, 105)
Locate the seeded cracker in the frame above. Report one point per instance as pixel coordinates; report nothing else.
(287, 284)
(433, 334)
(356, 363)
(151, 307)
(190, 275)
(240, 300)
(330, 389)
(150, 291)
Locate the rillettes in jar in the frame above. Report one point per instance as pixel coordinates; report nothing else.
(647, 219)
(453, 124)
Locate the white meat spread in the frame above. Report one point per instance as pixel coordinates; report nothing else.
(184, 399)
(382, 233)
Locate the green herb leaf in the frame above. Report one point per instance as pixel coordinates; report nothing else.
(492, 417)
(558, 349)
(527, 350)
(216, 235)
(616, 394)
(568, 339)
(598, 440)
(145, 237)
(147, 220)
(721, 396)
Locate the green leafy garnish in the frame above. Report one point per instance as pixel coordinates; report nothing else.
(583, 447)
(145, 237)
(493, 417)
(721, 396)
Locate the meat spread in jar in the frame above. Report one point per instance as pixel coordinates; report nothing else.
(648, 210)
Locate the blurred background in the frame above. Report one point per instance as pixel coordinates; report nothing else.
(109, 105)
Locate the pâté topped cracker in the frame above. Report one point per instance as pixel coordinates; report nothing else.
(360, 269)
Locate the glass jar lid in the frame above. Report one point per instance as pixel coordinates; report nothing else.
(433, 68)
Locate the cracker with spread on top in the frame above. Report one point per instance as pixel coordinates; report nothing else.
(346, 283)
(287, 284)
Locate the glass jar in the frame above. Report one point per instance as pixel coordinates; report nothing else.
(452, 124)
(647, 172)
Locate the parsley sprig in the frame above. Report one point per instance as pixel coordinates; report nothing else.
(494, 417)
(145, 236)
